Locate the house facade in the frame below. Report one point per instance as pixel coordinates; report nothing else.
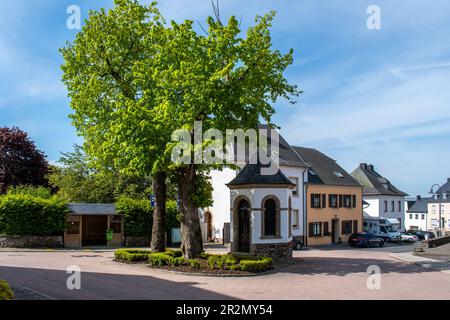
(416, 217)
(439, 209)
(384, 199)
(333, 200)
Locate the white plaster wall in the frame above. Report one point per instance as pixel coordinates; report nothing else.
(221, 199)
(376, 208)
(420, 223)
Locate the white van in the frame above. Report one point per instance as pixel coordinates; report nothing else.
(386, 228)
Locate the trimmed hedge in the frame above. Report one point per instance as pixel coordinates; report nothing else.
(5, 291)
(161, 259)
(256, 265)
(132, 255)
(26, 215)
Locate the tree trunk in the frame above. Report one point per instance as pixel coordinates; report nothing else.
(158, 243)
(191, 234)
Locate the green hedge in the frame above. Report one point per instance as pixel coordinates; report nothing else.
(256, 265)
(132, 255)
(5, 291)
(22, 214)
(138, 216)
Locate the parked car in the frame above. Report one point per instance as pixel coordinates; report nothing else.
(298, 245)
(407, 237)
(364, 239)
(422, 235)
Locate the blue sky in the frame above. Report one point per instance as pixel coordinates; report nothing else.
(379, 96)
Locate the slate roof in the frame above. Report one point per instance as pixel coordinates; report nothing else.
(373, 183)
(326, 170)
(445, 187)
(251, 175)
(287, 155)
(420, 206)
(92, 209)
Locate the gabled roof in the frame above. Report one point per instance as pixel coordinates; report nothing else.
(420, 206)
(373, 183)
(287, 155)
(325, 170)
(251, 175)
(445, 187)
(92, 209)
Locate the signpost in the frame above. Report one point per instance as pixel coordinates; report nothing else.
(152, 200)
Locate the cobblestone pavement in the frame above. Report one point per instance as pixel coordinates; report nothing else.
(326, 273)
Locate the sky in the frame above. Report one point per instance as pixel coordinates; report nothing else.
(380, 96)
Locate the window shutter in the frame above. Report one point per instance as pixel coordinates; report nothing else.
(355, 226)
(324, 200)
(325, 229)
(311, 229)
(354, 201)
(340, 201)
(312, 201)
(320, 229)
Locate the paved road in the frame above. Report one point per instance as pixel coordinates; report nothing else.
(327, 273)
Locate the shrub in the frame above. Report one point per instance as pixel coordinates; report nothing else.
(37, 192)
(137, 215)
(132, 255)
(22, 214)
(5, 291)
(161, 259)
(176, 253)
(256, 265)
(194, 263)
(180, 261)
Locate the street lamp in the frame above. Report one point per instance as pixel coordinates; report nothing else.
(438, 196)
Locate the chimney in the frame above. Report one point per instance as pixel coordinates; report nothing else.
(370, 167)
(418, 198)
(363, 165)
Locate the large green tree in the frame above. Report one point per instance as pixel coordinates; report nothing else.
(133, 81)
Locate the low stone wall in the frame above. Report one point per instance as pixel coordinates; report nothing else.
(31, 241)
(436, 242)
(277, 251)
(137, 241)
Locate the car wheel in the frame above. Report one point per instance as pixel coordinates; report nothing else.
(298, 246)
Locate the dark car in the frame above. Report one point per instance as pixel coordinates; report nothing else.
(297, 244)
(365, 240)
(421, 234)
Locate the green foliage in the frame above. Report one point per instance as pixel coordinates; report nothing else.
(259, 265)
(176, 253)
(180, 261)
(161, 259)
(137, 215)
(172, 218)
(194, 263)
(37, 192)
(5, 291)
(132, 255)
(22, 214)
(77, 181)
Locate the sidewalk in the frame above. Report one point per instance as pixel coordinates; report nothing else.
(422, 261)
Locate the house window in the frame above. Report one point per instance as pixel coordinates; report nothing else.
(417, 216)
(392, 206)
(316, 200)
(295, 212)
(410, 215)
(433, 207)
(333, 200)
(347, 201)
(347, 226)
(326, 231)
(270, 219)
(315, 229)
(385, 206)
(294, 180)
(423, 217)
(399, 206)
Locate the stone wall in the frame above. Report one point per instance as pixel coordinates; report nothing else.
(436, 242)
(137, 241)
(31, 241)
(277, 251)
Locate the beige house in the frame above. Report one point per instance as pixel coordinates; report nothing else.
(333, 200)
(438, 217)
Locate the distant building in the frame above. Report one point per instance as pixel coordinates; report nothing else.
(442, 200)
(416, 217)
(384, 198)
